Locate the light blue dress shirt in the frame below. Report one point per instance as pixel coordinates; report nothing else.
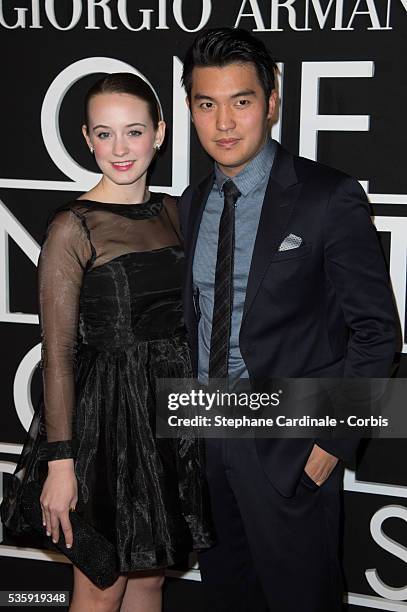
(252, 183)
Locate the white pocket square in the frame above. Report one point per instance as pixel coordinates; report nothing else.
(290, 242)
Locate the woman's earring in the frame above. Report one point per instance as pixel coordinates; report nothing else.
(91, 149)
(157, 146)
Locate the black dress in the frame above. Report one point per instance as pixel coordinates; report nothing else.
(110, 280)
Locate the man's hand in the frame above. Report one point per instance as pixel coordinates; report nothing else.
(319, 465)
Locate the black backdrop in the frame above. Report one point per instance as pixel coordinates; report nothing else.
(343, 88)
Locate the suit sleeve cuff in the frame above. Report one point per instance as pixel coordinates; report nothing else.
(343, 448)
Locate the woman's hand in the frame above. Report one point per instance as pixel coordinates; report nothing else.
(59, 495)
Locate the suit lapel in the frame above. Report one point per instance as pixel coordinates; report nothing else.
(198, 201)
(281, 195)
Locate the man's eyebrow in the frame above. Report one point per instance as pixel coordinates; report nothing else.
(244, 92)
(199, 96)
(238, 94)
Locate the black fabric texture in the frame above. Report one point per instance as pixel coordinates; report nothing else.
(223, 293)
(110, 280)
(91, 552)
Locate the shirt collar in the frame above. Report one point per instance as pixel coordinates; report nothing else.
(251, 174)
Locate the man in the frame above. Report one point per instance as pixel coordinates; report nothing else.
(285, 278)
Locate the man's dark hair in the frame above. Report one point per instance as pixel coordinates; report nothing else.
(222, 46)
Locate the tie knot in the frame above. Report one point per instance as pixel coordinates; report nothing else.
(230, 191)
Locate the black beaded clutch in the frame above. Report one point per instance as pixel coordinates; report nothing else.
(91, 552)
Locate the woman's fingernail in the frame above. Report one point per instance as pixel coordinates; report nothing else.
(48, 533)
(69, 545)
(54, 541)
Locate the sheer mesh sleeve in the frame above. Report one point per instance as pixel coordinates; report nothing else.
(64, 257)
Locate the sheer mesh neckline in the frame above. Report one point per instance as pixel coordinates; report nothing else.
(142, 210)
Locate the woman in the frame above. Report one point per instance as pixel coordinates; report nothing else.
(110, 309)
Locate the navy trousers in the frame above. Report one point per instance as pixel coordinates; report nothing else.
(274, 553)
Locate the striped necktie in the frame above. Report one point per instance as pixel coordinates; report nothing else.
(223, 302)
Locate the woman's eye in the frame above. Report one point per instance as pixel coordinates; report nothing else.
(135, 133)
(103, 135)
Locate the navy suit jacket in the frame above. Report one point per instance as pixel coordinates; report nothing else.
(324, 309)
